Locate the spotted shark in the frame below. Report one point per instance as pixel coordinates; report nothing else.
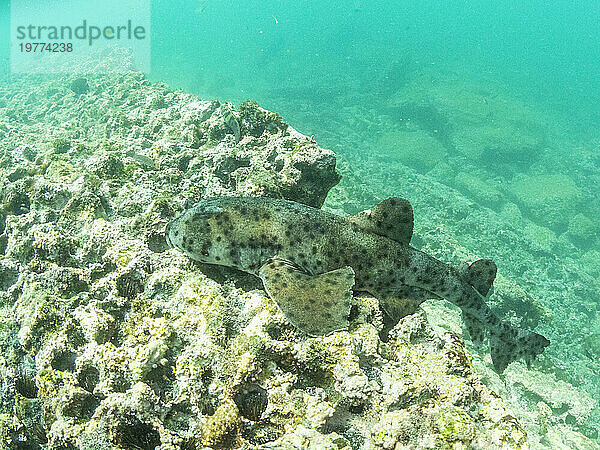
(311, 262)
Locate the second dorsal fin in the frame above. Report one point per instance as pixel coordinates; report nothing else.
(392, 218)
(481, 275)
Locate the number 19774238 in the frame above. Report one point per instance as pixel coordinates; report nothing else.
(53, 47)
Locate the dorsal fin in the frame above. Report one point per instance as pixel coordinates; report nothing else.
(392, 218)
(481, 275)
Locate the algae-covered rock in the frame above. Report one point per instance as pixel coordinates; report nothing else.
(591, 259)
(455, 426)
(550, 199)
(414, 148)
(310, 439)
(511, 297)
(582, 230)
(479, 120)
(572, 406)
(222, 430)
(61, 145)
(483, 191)
(257, 120)
(79, 86)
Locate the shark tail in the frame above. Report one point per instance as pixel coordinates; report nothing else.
(508, 344)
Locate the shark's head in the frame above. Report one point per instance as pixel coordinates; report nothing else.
(201, 233)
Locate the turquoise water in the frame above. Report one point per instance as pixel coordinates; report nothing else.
(547, 51)
(485, 115)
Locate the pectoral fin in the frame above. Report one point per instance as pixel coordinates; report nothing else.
(481, 275)
(315, 304)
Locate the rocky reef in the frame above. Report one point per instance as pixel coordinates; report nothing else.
(493, 146)
(108, 340)
(536, 217)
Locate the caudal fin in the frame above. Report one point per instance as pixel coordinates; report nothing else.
(509, 344)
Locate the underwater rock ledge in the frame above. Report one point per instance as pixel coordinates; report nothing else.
(108, 341)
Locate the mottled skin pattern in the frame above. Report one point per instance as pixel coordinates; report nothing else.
(245, 233)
